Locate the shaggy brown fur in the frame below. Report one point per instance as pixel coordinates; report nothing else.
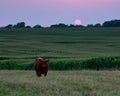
(41, 66)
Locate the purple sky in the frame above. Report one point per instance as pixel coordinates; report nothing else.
(48, 12)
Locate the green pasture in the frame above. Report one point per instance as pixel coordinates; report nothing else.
(22, 46)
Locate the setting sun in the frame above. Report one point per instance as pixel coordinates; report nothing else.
(77, 22)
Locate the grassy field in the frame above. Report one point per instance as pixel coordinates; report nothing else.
(60, 83)
(22, 46)
(60, 45)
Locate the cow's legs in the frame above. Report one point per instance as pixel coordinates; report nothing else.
(45, 74)
(38, 73)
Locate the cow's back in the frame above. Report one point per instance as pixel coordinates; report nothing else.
(41, 66)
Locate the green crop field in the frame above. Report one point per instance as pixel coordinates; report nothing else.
(60, 43)
(60, 83)
(22, 46)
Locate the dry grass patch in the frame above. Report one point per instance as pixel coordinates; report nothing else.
(60, 83)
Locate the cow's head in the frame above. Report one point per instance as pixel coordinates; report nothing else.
(42, 60)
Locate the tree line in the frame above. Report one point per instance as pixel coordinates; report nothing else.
(22, 25)
(112, 23)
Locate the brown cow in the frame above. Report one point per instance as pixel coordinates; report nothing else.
(41, 66)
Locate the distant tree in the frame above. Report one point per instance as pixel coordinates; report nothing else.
(62, 25)
(20, 25)
(9, 26)
(37, 26)
(90, 25)
(28, 26)
(97, 25)
(55, 25)
(71, 25)
(107, 24)
(59, 25)
(112, 23)
(79, 26)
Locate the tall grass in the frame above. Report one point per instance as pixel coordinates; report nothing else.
(100, 63)
(13, 65)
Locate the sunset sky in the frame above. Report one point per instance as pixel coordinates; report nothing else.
(48, 12)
